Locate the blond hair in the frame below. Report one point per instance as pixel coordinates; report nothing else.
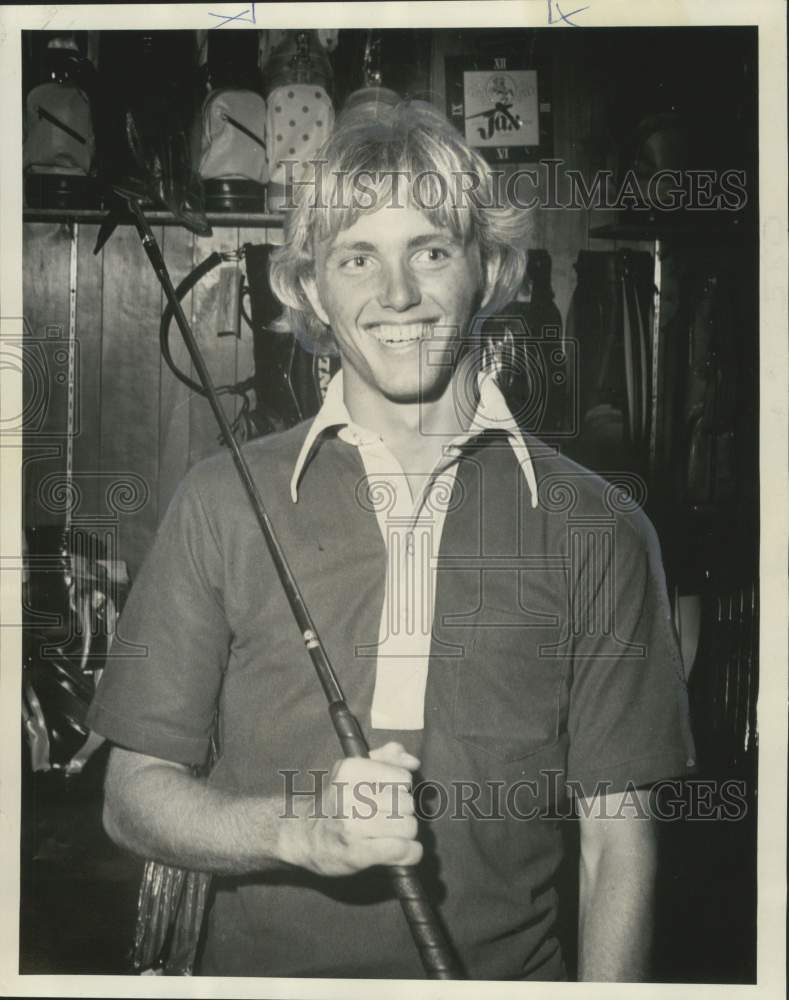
(375, 143)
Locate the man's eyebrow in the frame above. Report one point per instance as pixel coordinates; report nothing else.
(424, 239)
(360, 246)
(440, 235)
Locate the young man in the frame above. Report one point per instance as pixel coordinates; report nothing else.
(498, 624)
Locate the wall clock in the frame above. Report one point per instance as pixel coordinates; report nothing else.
(501, 104)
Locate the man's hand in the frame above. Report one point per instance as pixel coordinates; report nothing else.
(365, 818)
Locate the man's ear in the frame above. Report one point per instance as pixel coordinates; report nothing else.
(490, 274)
(310, 288)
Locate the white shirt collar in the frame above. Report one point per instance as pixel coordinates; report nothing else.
(492, 413)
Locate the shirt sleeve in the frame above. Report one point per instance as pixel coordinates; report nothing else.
(159, 690)
(628, 721)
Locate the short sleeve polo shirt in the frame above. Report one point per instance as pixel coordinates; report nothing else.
(552, 659)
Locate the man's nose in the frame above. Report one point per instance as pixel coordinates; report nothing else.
(399, 289)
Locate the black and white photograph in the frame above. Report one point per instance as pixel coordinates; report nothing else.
(394, 469)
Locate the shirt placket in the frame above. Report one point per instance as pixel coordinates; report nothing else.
(411, 532)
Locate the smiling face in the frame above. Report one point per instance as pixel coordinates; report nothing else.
(385, 285)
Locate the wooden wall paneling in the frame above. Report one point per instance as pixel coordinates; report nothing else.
(440, 47)
(46, 254)
(89, 326)
(174, 397)
(131, 303)
(219, 352)
(275, 235)
(602, 145)
(603, 156)
(567, 228)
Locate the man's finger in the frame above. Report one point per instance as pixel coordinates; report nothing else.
(355, 770)
(383, 827)
(388, 851)
(396, 754)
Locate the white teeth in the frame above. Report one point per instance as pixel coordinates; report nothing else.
(394, 333)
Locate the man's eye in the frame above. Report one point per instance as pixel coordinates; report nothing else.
(357, 263)
(432, 255)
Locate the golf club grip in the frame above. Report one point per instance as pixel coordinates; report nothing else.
(435, 952)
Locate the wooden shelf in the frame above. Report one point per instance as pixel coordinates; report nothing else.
(158, 218)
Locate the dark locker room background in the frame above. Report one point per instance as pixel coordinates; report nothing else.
(605, 94)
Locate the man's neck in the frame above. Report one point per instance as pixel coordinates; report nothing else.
(415, 432)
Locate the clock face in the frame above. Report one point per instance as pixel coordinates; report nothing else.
(500, 107)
